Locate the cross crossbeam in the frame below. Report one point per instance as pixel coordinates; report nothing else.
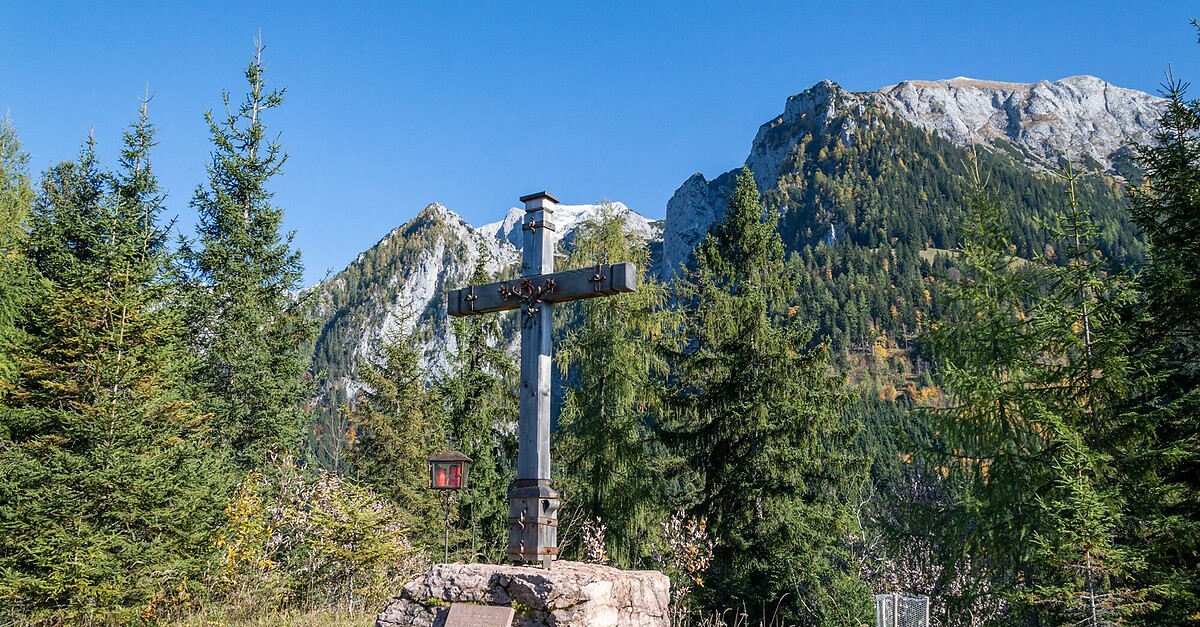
(560, 287)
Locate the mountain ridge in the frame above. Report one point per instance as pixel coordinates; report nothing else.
(1081, 118)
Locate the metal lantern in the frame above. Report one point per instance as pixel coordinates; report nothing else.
(448, 471)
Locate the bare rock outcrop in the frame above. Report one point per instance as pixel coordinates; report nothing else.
(1076, 117)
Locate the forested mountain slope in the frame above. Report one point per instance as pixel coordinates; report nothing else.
(869, 188)
(1080, 118)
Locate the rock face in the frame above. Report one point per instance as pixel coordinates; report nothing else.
(1082, 118)
(1077, 116)
(570, 594)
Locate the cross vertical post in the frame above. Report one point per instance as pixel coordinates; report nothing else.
(533, 504)
(533, 457)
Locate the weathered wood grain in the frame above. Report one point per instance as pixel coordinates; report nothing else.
(569, 285)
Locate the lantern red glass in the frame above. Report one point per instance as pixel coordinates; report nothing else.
(448, 471)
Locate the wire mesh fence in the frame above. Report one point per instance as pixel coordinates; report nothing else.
(901, 610)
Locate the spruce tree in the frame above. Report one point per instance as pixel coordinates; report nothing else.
(760, 423)
(481, 409)
(108, 481)
(397, 424)
(248, 327)
(612, 376)
(65, 229)
(1167, 209)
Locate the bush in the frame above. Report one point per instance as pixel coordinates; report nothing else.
(312, 540)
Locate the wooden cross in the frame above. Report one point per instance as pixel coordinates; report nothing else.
(533, 504)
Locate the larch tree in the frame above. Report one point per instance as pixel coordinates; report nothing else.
(1086, 556)
(1034, 435)
(989, 444)
(247, 323)
(612, 393)
(760, 422)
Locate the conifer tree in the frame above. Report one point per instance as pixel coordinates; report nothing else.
(759, 421)
(107, 481)
(989, 446)
(1167, 209)
(612, 376)
(481, 407)
(1084, 549)
(65, 229)
(1034, 435)
(248, 327)
(397, 426)
(16, 282)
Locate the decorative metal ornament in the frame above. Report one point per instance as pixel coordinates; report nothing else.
(529, 295)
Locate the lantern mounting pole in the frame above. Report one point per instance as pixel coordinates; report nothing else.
(447, 497)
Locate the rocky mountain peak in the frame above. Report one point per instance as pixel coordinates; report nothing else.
(822, 100)
(566, 219)
(1082, 118)
(437, 212)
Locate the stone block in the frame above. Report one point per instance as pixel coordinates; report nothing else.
(569, 594)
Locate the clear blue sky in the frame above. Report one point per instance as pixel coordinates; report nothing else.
(393, 105)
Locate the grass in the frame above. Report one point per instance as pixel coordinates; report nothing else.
(928, 254)
(224, 617)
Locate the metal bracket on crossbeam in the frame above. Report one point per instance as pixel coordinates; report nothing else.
(534, 225)
(598, 278)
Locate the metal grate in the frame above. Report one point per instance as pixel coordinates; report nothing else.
(901, 610)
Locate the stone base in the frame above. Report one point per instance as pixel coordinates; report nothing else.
(570, 594)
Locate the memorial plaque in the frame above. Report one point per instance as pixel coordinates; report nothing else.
(467, 615)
